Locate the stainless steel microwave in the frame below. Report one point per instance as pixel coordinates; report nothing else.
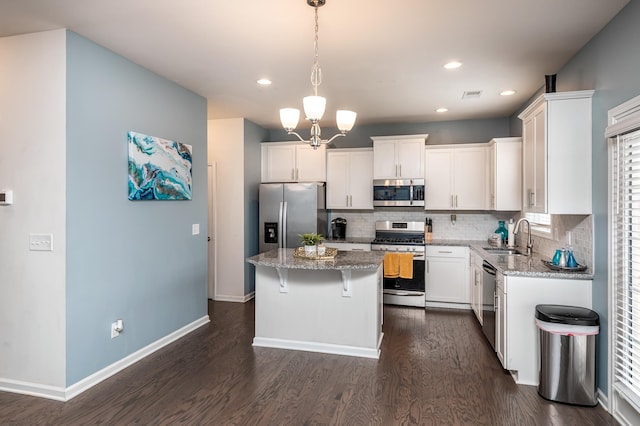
(398, 192)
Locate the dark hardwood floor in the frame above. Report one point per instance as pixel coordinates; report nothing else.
(435, 369)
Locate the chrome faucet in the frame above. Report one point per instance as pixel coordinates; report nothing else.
(529, 240)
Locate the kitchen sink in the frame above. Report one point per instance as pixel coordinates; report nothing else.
(505, 251)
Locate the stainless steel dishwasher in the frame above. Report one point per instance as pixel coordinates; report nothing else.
(488, 302)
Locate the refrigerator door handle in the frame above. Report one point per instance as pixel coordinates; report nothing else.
(280, 225)
(284, 225)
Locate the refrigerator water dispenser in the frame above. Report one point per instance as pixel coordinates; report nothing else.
(271, 232)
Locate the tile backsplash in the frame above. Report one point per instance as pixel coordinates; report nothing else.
(575, 232)
(568, 231)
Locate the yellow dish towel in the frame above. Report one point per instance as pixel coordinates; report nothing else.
(406, 265)
(391, 265)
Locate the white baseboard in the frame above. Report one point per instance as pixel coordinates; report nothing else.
(32, 389)
(317, 347)
(65, 394)
(237, 299)
(88, 382)
(603, 400)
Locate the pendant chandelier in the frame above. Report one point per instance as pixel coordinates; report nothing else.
(314, 105)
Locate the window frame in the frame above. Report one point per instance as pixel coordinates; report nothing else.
(622, 119)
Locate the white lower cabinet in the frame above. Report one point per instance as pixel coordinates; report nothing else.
(517, 342)
(476, 285)
(447, 276)
(501, 348)
(347, 246)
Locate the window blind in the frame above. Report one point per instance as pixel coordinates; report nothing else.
(625, 264)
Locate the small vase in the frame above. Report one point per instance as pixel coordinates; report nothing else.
(321, 249)
(310, 250)
(550, 83)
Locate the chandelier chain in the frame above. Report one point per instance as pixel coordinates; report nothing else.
(316, 72)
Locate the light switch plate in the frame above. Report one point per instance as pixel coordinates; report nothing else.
(41, 242)
(195, 229)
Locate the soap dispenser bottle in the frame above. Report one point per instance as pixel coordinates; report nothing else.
(502, 230)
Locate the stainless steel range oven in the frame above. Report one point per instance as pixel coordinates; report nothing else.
(404, 237)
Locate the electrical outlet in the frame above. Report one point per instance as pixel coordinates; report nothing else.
(41, 242)
(116, 328)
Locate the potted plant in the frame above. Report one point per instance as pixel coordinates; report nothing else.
(310, 241)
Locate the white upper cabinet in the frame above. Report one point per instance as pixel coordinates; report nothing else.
(293, 162)
(350, 179)
(505, 174)
(456, 177)
(398, 157)
(556, 159)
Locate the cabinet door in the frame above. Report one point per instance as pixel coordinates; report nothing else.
(384, 160)
(348, 246)
(476, 285)
(337, 179)
(528, 164)
(540, 197)
(438, 183)
(361, 180)
(507, 175)
(534, 162)
(311, 163)
(280, 163)
(446, 280)
(491, 199)
(410, 159)
(470, 171)
(500, 320)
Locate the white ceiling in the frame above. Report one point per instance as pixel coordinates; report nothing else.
(382, 59)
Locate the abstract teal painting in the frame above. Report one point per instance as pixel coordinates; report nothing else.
(159, 169)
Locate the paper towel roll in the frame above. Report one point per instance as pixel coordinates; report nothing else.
(511, 239)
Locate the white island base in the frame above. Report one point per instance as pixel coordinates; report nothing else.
(335, 311)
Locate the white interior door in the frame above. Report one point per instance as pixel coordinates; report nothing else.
(211, 245)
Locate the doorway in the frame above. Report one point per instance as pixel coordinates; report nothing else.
(211, 238)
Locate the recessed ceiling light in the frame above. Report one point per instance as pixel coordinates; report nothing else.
(442, 110)
(508, 92)
(453, 65)
(264, 82)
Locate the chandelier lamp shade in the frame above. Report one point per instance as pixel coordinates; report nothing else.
(314, 105)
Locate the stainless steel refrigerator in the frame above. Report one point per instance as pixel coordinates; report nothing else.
(288, 210)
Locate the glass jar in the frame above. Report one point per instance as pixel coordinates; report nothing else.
(502, 230)
(563, 258)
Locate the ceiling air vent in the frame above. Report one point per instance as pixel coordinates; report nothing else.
(471, 94)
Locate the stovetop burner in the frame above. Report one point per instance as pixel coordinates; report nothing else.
(399, 240)
(399, 233)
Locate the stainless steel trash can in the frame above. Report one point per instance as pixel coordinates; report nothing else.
(567, 353)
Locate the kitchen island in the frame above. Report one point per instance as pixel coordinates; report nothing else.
(330, 306)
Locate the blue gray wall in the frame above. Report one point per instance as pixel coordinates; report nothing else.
(125, 259)
(253, 136)
(441, 132)
(610, 64)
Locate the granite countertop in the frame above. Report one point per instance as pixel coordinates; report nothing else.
(526, 266)
(523, 266)
(345, 260)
